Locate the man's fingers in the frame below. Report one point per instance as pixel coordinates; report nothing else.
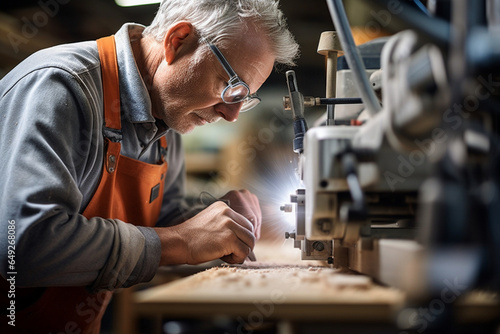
(239, 254)
(246, 203)
(240, 219)
(244, 234)
(243, 229)
(255, 215)
(239, 238)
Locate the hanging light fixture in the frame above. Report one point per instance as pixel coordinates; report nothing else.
(131, 3)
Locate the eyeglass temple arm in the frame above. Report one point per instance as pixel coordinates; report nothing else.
(229, 70)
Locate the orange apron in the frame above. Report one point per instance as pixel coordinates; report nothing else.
(129, 190)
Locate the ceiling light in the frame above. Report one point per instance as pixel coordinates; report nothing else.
(130, 3)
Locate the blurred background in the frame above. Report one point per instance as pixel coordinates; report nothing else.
(253, 153)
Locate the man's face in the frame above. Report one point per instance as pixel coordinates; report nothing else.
(187, 93)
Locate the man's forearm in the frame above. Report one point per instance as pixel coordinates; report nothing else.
(173, 246)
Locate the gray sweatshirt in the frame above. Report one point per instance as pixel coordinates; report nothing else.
(51, 159)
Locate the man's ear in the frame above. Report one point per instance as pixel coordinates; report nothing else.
(176, 39)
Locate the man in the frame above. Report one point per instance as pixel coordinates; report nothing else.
(92, 185)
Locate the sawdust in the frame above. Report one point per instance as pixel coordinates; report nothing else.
(319, 284)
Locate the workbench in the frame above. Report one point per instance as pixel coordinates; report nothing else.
(280, 295)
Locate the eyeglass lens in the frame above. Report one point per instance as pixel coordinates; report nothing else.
(249, 104)
(235, 94)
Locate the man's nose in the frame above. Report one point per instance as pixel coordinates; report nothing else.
(229, 112)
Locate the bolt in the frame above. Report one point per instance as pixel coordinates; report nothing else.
(325, 225)
(309, 101)
(318, 245)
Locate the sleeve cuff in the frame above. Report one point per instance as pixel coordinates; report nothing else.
(149, 261)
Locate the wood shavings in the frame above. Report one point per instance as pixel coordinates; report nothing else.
(288, 287)
(299, 284)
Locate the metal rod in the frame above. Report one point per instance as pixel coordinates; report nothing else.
(309, 101)
(340, 100)
(352, 56)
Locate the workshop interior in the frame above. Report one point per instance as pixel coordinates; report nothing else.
(376, 161)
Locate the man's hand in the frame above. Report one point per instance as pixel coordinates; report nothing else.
(247, 204)
(216, 232)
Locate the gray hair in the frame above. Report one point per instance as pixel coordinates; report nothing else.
(219, 20)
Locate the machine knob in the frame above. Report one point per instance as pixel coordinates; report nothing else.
(286, 208)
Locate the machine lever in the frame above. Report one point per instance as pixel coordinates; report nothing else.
(297, 106)
(357, 210)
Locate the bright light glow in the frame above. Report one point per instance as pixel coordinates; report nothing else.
(130, 3)
(276, 181)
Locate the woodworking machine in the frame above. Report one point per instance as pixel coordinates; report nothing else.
(400, 178)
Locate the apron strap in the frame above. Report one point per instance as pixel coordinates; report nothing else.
(111, 97)
(110, 82)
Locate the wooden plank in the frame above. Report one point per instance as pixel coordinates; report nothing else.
(273, 292)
